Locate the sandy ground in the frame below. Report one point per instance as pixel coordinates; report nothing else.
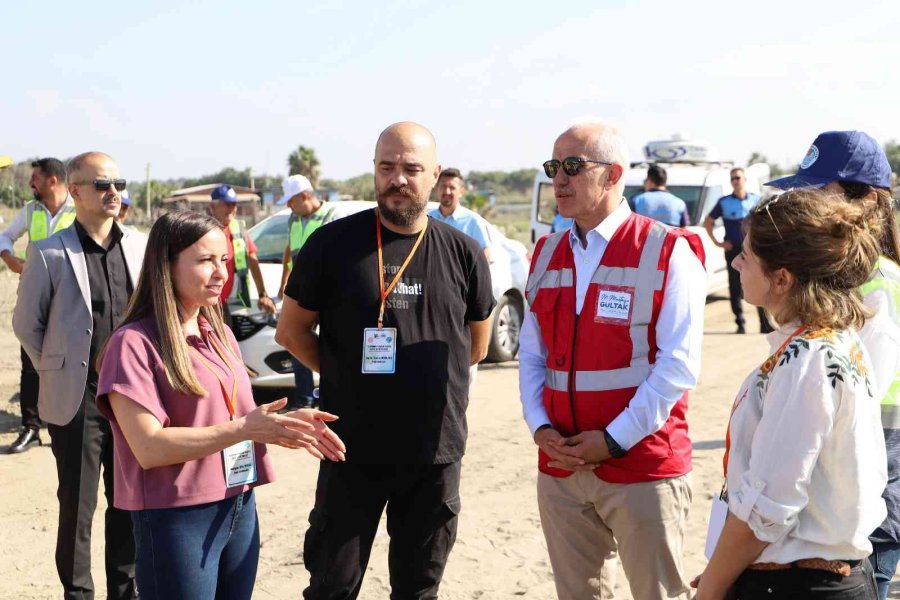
(500, 551)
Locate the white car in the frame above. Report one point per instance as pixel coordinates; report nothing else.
(270, 364)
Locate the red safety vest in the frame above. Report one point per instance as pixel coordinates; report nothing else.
(596, 361)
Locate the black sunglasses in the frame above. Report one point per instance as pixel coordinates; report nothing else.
(571, 165)
(102, 185)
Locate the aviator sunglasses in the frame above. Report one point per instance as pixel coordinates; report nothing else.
(571, 165)
(103, 185)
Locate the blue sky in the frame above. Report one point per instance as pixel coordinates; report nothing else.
(194, 86)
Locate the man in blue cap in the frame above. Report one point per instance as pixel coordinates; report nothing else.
(854, 166)
(241, 254)
(123, 209)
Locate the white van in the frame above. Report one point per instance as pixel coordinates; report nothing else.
(694, 174)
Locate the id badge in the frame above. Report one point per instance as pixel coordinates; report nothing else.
(718, 512)
(240, 464)
(379, 350)
(614, 305)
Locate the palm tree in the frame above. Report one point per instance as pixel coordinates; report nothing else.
(303, 161)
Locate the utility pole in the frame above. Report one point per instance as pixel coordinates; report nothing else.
(147, 192)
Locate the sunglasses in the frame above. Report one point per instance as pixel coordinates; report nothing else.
(736, 178)
(767, 207)
(103, 185)
(571, 165)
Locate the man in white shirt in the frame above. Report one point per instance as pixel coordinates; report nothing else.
(609, 349)
(51, 210)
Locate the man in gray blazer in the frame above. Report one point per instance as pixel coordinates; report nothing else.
(72, 294)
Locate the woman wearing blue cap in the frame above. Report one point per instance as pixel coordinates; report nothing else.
(854, 166)
(805, 462)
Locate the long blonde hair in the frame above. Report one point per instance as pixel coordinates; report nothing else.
(155, 295)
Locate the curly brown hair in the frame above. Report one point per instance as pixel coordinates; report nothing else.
(829, 245)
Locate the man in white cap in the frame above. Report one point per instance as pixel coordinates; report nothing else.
(308, 213)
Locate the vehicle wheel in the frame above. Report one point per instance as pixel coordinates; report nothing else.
(506, 323)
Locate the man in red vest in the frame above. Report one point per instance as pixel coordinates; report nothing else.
(609, 349)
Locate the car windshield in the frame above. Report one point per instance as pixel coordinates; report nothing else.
(270, 237)
(691, 194)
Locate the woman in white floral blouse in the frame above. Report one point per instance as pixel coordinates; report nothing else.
(805, 457)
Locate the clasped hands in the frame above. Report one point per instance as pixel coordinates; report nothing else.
(305, 428)
(582, 452)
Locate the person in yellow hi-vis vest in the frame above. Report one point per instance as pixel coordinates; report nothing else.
(853, 166)
(242, 258)
(51, 210)
(308, 213)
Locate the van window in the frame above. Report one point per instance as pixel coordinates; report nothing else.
(710, 196)
(546, 203)
(691, 194)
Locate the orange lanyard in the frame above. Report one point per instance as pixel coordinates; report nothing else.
(386, 292)
(230, 399)
(737, 403)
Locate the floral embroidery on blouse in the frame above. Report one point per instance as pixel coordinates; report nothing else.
(841, 365)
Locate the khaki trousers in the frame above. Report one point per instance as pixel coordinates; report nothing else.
(586, 520)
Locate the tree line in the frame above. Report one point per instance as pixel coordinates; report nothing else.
(512, 185)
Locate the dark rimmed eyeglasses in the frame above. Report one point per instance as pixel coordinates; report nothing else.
(571, 165)
(103, 185)
(767, 207)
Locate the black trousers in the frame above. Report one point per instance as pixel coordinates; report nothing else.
(422, 507)
(80, 449)
(29, 384)
(736, 294)
(803, 584)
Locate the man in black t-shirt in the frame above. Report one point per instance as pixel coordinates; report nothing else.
(394, 367)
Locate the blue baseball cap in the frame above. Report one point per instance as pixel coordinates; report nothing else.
(126, 198)
(224, 193)
(840, 156)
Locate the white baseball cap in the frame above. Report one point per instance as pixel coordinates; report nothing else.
(293, 185)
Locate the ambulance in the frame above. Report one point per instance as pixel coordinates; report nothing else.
(695, 174)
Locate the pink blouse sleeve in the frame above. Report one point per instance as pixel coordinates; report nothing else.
(130, 367)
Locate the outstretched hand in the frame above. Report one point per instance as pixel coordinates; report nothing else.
(329, 445)
(266, 426)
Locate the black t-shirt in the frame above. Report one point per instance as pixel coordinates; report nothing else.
(416, 415)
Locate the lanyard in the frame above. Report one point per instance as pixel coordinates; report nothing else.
(737, 403)
(231, 398)
(386, 292)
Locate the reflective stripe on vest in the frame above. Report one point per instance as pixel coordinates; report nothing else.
(886, 277)
(238, 245)
(646, 279)
(38, 220)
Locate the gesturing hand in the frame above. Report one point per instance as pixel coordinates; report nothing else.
(330, 445)
(266, 426)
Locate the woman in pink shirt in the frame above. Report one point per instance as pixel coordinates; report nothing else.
(189, 442)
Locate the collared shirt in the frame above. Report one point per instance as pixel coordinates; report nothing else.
(663, 206)
(679, 334)
(18, 227)
(733, 210)
(110, 287)
(807, 463)
(133, 367)
(467, 221)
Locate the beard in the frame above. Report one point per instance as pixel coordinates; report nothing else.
(36, 194)
(404, 216)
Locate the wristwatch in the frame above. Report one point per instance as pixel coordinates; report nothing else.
(615, 450)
